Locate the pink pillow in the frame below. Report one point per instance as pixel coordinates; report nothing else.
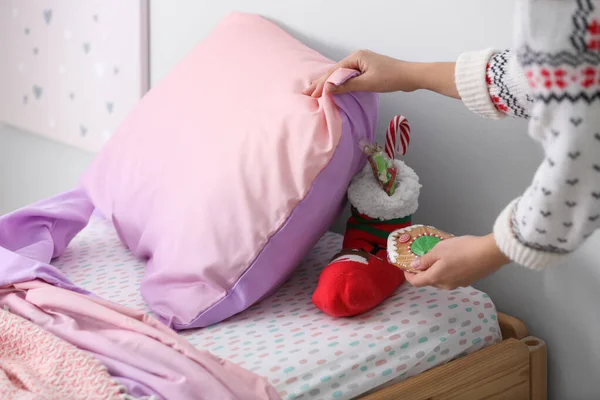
(225, 174)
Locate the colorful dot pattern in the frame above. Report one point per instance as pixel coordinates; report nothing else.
(301, 351)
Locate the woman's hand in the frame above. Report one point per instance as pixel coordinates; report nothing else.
(379, 73)
(458, 262)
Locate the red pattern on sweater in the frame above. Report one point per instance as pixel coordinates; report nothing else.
(562, 78)
(593, 30)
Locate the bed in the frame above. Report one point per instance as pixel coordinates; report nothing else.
(418, 344)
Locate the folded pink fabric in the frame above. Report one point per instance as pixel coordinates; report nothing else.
(36, 365)
(144, 349)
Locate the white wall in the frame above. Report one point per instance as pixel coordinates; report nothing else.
(470, 167)
(33, 168)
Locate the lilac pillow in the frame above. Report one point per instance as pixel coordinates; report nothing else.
(225, 174)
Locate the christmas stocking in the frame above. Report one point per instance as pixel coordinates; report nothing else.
(360, 277)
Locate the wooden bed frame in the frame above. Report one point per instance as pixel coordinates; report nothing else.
(514, 369)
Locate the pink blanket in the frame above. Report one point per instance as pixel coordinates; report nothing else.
(141, 346)
(36, 365)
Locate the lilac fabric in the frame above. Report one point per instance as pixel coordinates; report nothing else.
(145, 356)
(32, 236)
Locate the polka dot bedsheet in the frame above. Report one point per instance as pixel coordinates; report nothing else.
(301, 351)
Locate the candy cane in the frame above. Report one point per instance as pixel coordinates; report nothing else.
(397, 136)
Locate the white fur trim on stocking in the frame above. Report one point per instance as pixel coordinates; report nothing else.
(370, 199)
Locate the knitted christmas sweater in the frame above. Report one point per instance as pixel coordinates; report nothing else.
(552, 78)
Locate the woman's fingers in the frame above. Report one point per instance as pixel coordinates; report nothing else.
(430, 276)
(357, 84)
(320, 83)
(418, 279)
(425, 262)
(316, 88)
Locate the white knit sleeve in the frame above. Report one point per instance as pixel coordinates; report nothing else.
(492, 84)
(561, 208)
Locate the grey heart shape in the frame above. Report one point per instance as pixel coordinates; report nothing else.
(86, 47)
(37, 91)
(596, 195)
(109, 107)
(47, 16)
(561, 240)
(574, 155)
(570, 204)
(573, 182)
(576, 121)
(550, 162)
(587, 235)
(555, 133)
(545, 214)
(597, 167)
(568, 224)
(594, 218)
(540, 231)
(27, 31)
(597, 136)
(82, 130)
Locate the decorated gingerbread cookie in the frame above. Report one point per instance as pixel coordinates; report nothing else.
(404, 245)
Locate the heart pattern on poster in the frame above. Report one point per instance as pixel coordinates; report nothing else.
(90, 63)
(48, 16)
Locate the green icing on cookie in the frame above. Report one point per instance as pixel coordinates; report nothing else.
(423, 245)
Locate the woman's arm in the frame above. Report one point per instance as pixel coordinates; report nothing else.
(561, 208)
(379, 73)
(490, 83)
(437, 77)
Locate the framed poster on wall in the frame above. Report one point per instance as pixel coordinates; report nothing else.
(72, 70)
